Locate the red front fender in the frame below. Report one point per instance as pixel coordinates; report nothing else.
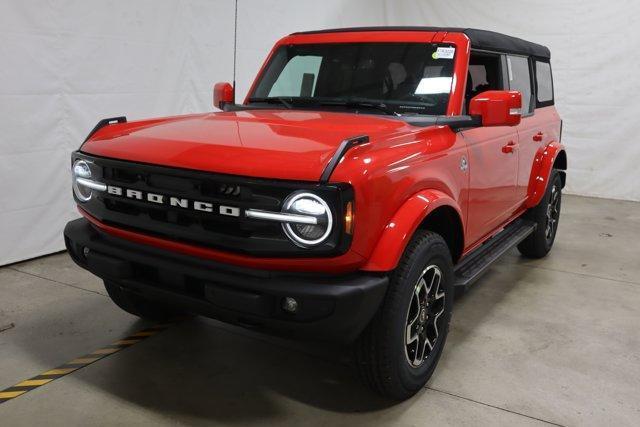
(402, 226)
(542, 165)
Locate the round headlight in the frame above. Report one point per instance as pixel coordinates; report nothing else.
(81, 169)
(308, 204)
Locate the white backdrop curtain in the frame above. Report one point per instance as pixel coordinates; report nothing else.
(64, 64)
(594, 54)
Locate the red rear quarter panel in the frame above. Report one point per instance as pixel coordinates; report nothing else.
(540, 155)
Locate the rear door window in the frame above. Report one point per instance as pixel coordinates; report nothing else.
(520, 80)
(544, 84)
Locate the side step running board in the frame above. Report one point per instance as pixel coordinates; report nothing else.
(473, 265)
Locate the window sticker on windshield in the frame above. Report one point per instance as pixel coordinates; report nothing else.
(444, 53)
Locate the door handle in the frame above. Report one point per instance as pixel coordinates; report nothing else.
(509, 147)
(538, 137)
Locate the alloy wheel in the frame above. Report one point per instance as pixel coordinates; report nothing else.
(425, 310)
(553, 213)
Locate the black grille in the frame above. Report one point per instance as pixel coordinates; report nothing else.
(210, 229)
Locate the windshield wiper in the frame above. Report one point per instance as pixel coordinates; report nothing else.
(272, 100)
(289, 102)
(350, 103)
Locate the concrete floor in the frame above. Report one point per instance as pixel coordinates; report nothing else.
(534, 342)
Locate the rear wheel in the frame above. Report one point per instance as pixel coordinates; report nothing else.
(399, 350)
(138, 306)
(547, 216)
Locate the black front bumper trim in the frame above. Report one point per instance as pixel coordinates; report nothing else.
(335, 308)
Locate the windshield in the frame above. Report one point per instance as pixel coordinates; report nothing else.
(392, 78)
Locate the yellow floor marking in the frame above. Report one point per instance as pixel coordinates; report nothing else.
(29, 383)
(106, 350)
(83, 360)
(10, 394)
(123, 342)
(60, 371)
(145, 334)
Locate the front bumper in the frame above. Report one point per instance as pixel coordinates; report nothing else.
(335, 308)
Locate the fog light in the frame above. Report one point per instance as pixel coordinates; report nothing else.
(85, 251)
(290, 305)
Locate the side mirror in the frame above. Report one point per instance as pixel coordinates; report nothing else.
(223, 94)
(497, 107)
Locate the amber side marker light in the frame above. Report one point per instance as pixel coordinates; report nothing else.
(348, 218)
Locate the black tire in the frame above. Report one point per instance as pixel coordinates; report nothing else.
(382, 354)
(547, 216)
(138, 306)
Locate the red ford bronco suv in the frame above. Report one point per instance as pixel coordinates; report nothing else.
(369, 173)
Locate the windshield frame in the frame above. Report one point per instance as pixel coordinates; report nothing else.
(355, 104)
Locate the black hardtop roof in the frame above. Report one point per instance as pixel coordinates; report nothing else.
(480, 39)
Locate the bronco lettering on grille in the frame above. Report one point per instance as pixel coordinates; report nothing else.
(178, 202)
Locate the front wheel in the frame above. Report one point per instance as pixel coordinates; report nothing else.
(398, 352)
(547, 216)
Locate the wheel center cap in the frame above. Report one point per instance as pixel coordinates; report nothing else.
(423, 315)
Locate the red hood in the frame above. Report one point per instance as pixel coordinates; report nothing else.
(281, 144)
